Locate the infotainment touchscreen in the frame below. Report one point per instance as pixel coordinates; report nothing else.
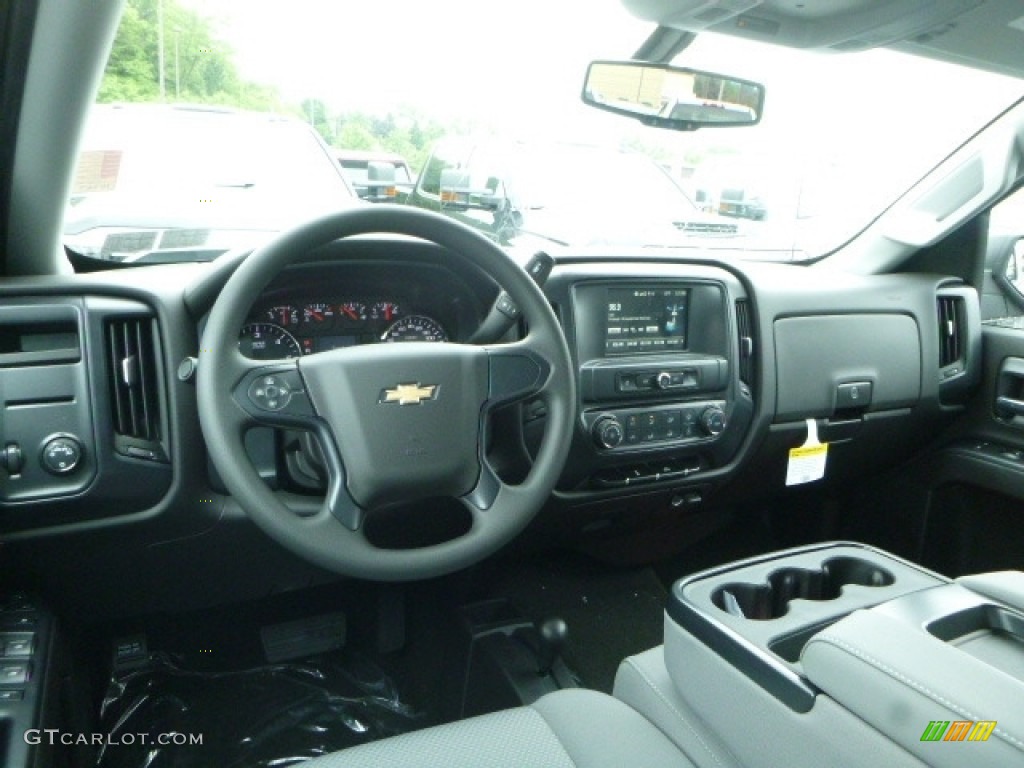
(643, 319)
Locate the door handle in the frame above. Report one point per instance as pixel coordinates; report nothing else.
(1007, 407)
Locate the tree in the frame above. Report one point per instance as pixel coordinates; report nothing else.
(314, 111)
(198, 65)
(131, 69)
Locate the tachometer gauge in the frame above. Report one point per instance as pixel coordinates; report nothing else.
(385, 310)
(267, 341)
(318, 316)
(285, 315)
(352, 312)
(415, 328)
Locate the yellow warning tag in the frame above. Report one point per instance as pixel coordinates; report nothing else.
(807, 463)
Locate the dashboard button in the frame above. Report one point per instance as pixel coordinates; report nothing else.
(61, 455)
(12, 458)
(18, 647)
(627, 383)
(13, 674)
(853, 395)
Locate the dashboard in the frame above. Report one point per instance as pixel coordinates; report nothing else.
(695, 379)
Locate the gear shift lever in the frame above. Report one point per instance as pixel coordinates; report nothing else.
(552, 634)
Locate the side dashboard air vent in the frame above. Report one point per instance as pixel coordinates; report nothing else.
(135, 399)
(952, 329)
(745, 331)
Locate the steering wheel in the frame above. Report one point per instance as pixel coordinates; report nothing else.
(395, 422)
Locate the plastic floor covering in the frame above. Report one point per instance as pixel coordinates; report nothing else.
(273, 715)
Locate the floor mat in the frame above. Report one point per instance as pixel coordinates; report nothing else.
(272, 715)
(611, 613)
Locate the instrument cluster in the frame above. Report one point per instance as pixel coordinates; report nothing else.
(286, 330)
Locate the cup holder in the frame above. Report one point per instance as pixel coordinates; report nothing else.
(771, 601)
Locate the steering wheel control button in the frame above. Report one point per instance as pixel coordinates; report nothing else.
(506, 306)
(271, 392)
(61, 455)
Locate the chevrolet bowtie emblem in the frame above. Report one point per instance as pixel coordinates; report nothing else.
(409, 394)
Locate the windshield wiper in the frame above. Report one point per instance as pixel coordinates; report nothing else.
(236, 185)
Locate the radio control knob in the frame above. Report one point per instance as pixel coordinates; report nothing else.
(712, 420)
(607, 432)
(663, 380)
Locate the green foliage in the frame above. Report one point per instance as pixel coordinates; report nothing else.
(198, 66)
(314, 111)
(131, 69)
(403, 131)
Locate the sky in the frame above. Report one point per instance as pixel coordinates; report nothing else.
(520, 65)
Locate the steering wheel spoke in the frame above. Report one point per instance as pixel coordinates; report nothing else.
(275, 395)
(515, 372)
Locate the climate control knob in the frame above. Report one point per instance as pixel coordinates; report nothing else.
(663, 380)
(607, 432)
(712, 420)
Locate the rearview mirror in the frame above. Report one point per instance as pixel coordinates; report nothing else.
(663, 96)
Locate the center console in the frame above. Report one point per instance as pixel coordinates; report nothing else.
(838, 654)
(659, 387)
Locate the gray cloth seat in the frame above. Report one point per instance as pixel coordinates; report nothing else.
(567, 729)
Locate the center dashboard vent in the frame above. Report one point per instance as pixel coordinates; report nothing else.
(951, 333)
(133, 344)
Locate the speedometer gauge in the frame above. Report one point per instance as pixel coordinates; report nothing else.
(267, 341)
(415, 328)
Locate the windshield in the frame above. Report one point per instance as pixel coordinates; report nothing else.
(842, 136)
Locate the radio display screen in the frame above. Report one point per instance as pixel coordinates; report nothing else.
(645, 319)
